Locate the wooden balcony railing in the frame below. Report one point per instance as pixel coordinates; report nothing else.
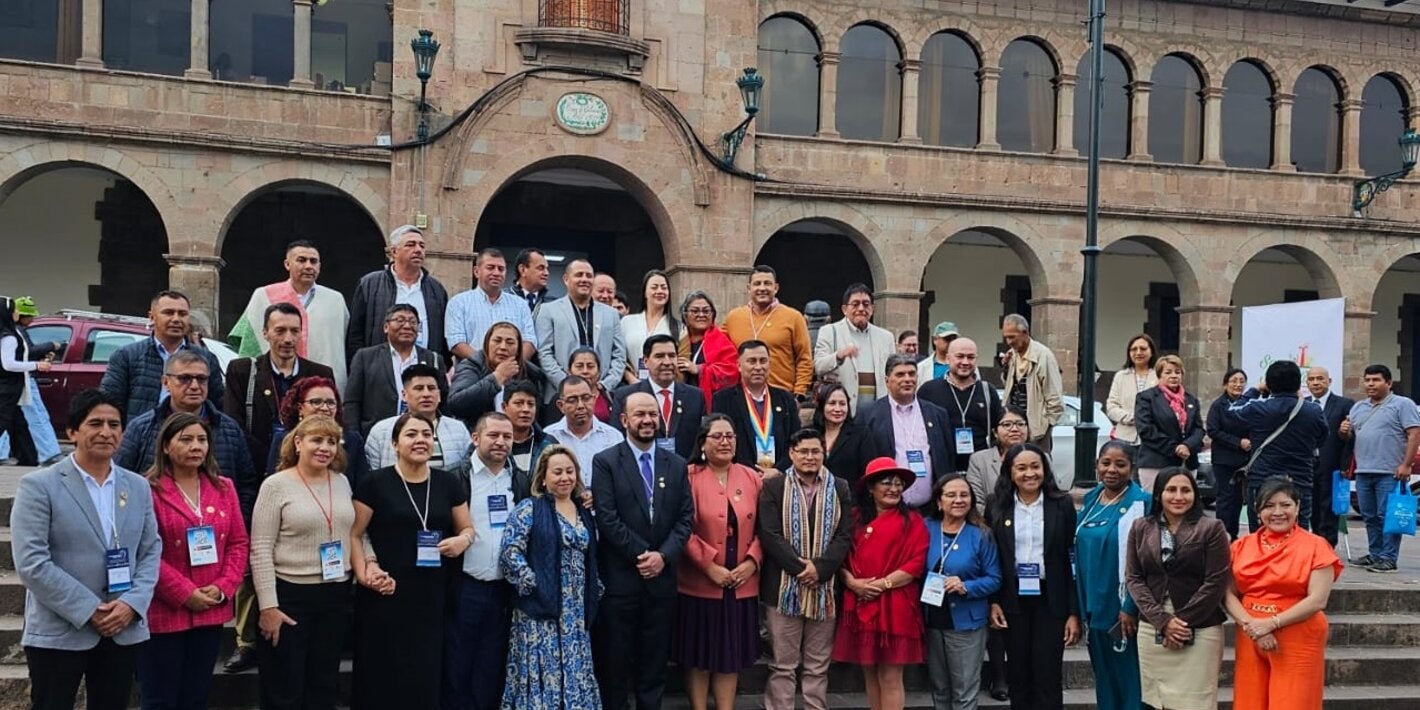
(612, 16)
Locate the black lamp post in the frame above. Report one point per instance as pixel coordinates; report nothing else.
(1086, 431)
(1364, 191)
(425, 49)
(751, 84)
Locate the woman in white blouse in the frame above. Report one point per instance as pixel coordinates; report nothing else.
(655, 319)
(1137, 376)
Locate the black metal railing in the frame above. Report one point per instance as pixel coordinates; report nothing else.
(612, 16)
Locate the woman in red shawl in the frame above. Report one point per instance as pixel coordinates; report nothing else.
(707, 359)
(880, 625)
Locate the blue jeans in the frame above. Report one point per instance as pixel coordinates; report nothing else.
(1372, 491)
(41, 429)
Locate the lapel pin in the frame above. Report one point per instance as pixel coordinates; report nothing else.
(266, 393)
(778, 409)
(123, 499)
(211, 509)
(1008, 523)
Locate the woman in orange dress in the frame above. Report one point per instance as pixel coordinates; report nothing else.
(1282, 577)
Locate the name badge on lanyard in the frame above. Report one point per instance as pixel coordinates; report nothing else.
(966, 441)
(934, 589)
(120, 574)
(201, 546)
(666, 443)
(332, 561)
(642, 372)
(426, 548)
(1028, 579)
(917, 462)
(498, 510)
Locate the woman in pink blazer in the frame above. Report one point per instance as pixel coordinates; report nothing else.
(717, 620)
(204, 558)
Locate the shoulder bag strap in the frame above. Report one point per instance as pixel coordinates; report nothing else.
(251, 392)
(1270, 437)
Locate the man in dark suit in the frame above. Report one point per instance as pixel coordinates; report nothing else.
(643, 511)
(681, 407)
(1334, 454)
(910, 430)
(373, 391)
(764, 417)
(255, 400)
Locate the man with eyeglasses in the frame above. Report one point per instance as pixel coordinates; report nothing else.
(186, 379)
(578, 429)
(135, 371)
(805, 528)
(373, 392)
(853, 351)
(912, 431)
(256, 385)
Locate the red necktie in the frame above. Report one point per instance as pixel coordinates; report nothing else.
(666, 407)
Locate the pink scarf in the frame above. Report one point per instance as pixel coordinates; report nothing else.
(1178, 404)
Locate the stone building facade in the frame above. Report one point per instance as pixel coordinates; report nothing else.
(962, 232)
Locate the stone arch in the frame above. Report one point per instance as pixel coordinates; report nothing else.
(891, 32)
(1019, 236)
(1125, 58)
(835, 27)
(1189, 53)
(1269, 70)
(1184, 260)
(1051, 50)
(1313, 253)
(959, 26)
(858, 227)
(1402, 83)
(773, 10)
(251, 184)
(24, 162)
(1343, 87)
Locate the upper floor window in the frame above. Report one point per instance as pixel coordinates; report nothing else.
(788, 61)
(869, 85)
(1025, 102)
(152, 36)
(1176, 111)
(1247, 116)
(949, 101)
(1316, 122)
(1385, 113)
(1114, 115)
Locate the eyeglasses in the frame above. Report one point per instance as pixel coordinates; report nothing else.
(700, 311)
(188, 380)
(1011, 425)
(721, 436)
(890, 482)
(404, 321)
(808, 452)
(860, 304)
(321, 403)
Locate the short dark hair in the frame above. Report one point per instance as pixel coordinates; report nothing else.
(491, 417)
(169, 293)
(620, 295)
(84, 403)
(403, 421)
(897, 360)
(279, 307)
(855, 289)
(302, 244)
(1378, 369)
(1271, 487)
(749, 345)
(1283, 377)
(764, 269)
(805, 434)
(904, 335)
(655, 340)
(488, 253)
(524, 257)
(419, 369)
(1162, 482)
(520, 386)
(584, 350)
(571, 381)
(401, 308)
(1233, 371)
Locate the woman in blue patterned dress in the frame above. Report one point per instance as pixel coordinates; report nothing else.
(549, 555)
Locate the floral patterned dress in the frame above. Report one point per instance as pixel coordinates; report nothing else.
(549, 661)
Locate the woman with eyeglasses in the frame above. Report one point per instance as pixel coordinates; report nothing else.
(706, 356)
(1136, 376)
(311, 396)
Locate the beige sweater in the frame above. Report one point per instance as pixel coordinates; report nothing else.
(288, 527)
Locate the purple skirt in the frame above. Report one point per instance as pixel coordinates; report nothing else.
(717, 635)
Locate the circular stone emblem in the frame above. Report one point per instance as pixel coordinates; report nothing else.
(582, 113)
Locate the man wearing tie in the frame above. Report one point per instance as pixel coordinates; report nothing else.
(643, 511)
(1334, 454)
(682, 407)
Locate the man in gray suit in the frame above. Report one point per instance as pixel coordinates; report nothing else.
(575, 322)
(87, 550)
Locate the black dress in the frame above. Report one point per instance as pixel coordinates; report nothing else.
(399, 638)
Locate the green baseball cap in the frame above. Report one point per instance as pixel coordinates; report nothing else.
(944, 329)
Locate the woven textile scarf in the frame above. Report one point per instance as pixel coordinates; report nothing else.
(795, 599)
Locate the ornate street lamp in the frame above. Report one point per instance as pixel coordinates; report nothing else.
(1364, 191)
(425, 49)
(751, 84)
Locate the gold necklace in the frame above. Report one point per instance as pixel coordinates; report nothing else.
(1270, 546)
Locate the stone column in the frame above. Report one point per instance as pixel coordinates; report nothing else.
(1139, 121)
(828, 95)
(1351, 137)
(897, 310)
(990, 78)
(199, 277)
(301, 30)
(198, 62)
(1212, 126)
(911, 79)
(1056, 323)
(1065, 115)
(1356, 353)
(1204, 347)
(1282, 132)
(91, 35)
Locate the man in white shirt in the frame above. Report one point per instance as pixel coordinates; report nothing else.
(578, 429)
(476, 636)
(324, 316)
(421, 395)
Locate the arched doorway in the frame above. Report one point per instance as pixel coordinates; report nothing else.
(81, 237)
(1395, 329)
(1279, 274)
(570, 212)
(817, 260)
(258, 231)
(973, 279)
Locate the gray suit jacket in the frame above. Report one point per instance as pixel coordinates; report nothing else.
(557, 338)
(59, 553)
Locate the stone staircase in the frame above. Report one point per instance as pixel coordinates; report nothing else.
(1374, 647)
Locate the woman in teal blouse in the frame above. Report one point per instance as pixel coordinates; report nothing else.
(1109, 615)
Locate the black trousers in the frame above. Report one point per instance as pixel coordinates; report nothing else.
(631, 645)
(1324, 521)
(106, 671)
(1229, 504)
(302, 671)
(175, 669)
(12, 420)
(1035, 649)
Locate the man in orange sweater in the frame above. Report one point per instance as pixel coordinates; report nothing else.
(780, 327)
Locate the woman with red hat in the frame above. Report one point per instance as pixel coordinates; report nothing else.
(880, 627)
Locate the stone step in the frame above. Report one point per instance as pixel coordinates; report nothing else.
(1396, 697)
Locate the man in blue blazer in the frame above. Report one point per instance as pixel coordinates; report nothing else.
(643, 507)
(86, 548)
(682, 406)
(574, 322)
(914, 432)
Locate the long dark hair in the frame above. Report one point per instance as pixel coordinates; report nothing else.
(697, 452)
(866, 510)
(1003, 500)
(7, 316)
(1162, 482)
(172, 426)
(672, 323)
(820, 397)
(972, 516)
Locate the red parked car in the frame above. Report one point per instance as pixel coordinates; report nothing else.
(90, 339)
